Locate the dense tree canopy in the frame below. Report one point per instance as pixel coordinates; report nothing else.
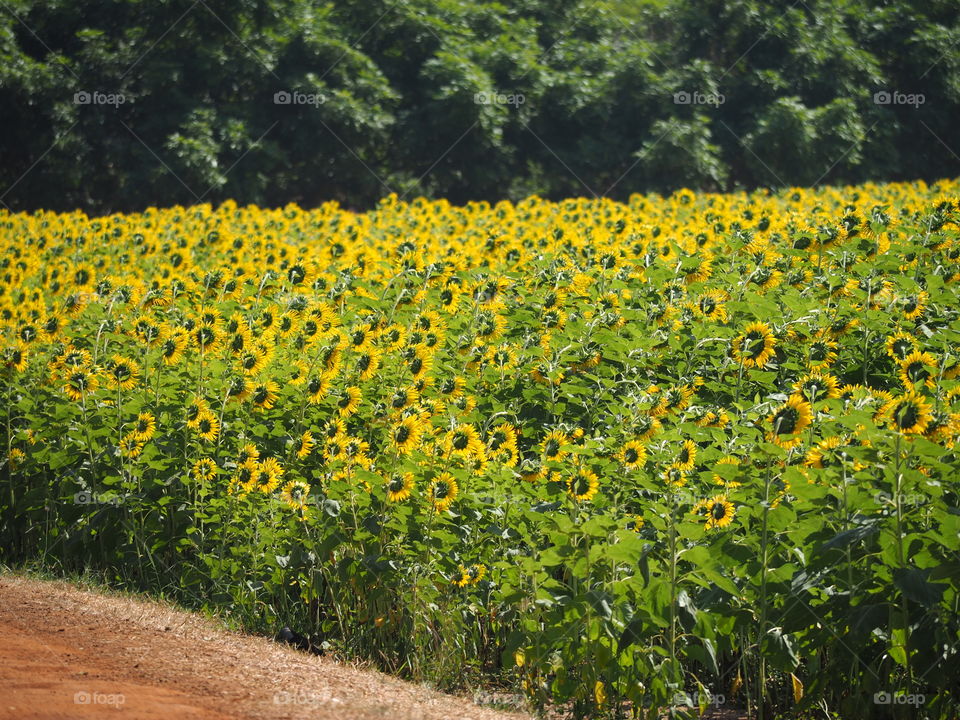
(118, 104)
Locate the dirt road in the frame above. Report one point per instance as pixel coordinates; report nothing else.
(67, 653)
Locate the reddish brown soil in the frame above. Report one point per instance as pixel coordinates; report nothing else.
(68, 653)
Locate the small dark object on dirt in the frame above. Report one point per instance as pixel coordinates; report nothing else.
(290, 637)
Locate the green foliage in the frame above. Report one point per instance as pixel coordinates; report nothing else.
(399, 86)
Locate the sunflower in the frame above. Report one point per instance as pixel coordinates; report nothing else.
(392, 338)
(646, 426)
(715, 417)
(264, 395)
(267, 475)
(204, 470)
(367, 364)
(633, 454)
(551, 449)
(316, 389)
(900, 345)
(582, 485)
(918, 368)
(674, 477)
(405, 435)
(195, 410)
(442, 491)
(827, 453)
(718, 511)
(208, 426)
(16, 356)
(304, 444)
(286, 325)
(79, 383)
(238, 388)
(687, 456)
(503, 357)
(172, 344)
(348, 400)
(121, 373)
(254, 359)
(52, 325)
(821, 353)
(788, 421)
(817, 386)
(754, 347)
(130, 446)
(242, 480)
(145, 426)
(452, 387)
(909, 414)
(913, 306)
(399, 486)
(206, 336)
(238, 336)
(296, 495)
(470, 575)
(361, 337)
(463, 441)
(675, 399)
(502, 443)
(696, 268)
(711, 306)
(489, 324)
(248, 452)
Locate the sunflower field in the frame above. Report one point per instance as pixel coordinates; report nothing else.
(680, 453)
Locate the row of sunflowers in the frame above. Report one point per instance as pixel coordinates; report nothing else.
(614, 457)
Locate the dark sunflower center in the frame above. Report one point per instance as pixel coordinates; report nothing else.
(907, 415)
(786, 420)
(753, 343)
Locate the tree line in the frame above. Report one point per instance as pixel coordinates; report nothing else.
(115, 105)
